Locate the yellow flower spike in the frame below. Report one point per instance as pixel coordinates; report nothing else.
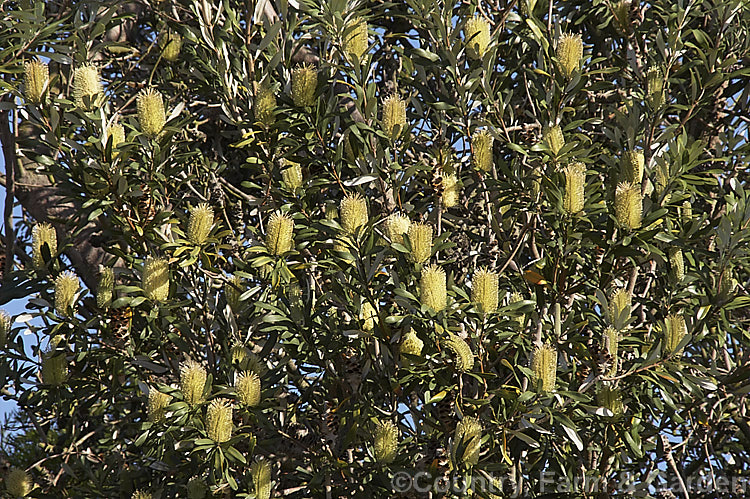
(43, 234)
(304, 84)
(170, 45)
(575, 181)
(155, 279)
(86, 86)
(105, 288)
(396, 225)
(279, 233)
(219, 420)
(247, 386)
(462, 352)
(233, 289)
(451, 191)
(197, 488)
(5, 326)
(292, 176)
(261, 473)
(432, 288)
(610, 399)
(238, 355)
(632, 167)
(676, 329)
(569, 53)
(394, 116)
(116, 134)
(477, 37)
(157, 403)
(192, 382)
(611, 341)
(54, 364)
(628, 205)
(619, 301)
(411, 344)
(515, 297)
(468, 436)
(18, 483)
(485, 290)
(151, 114)
(677, 264)
(482, 156)
(368, 315)
(554, 138)
(686, 212)
(200, 224)
(385, 442)
(265, 105)
(655, 87)
(353, 211)
(66, 288)
(141, 494)
(544, 365)
(420, 237)
(36, 80)
(356, 42)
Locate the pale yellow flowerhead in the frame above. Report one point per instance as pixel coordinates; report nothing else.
(247, 386)
(36, 80)
(200, 224)
(279, 233)
(66, 291)
(192, 382)
(151, 114)
(432, 288)
(155, 279)
(385, 442)
(485, 290)
(219, 420)
(544, 365)
(87, 86)
(477, 37)
(43, 234)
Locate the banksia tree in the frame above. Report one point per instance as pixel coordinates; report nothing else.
(66, 292)
(575, 180)
(304, 84)
(200, 224)
(36, 80)
(219, 420)
(432, 288)
(396, 225)
(394, 116)
(192, 382)
(279, 233)
(87, 86)
(467, 442)
(247, 386)
(155, 279)
(628, 205)
(569, 53)
(420, 237)
(353, 211)
(485, 290)
(481, 147)
(544, 366)
(151, 114)
(385, 442)
(476, 37)
(18, 483)
(44, 240)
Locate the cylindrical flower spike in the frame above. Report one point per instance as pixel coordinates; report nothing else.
(200, 223)
(197, 488)
(569, 53)
(481, 146)
(420, 237)
(66, 289)
(554, 138)
(394, 116)
(116, 133)
(368, 315)
(18, 483)
(105, 288)
(676, 329)
(5, 325)
(170, 45)
(279, 233)
(304, 84)
(151, 115)
(233, 290)
(42, 235)
(261, 473)
(611, 341)
(155, 279)
(247, 386)
(219, 420)
(86, 86)
(265, 105)
(477, 37)
(611, 399)
(462, 351)
(628, 205)
(355, 41)
(515, 297)
(192, 382)
(686, 212)
(619, 303)
(396, 225)
(157, 404)
(451, 191)
(575, 180)
(238, 355)
(544, 365)
(468, 437)
(385, 442)
(36, 80)
(432, 288)
(292, 176)
(353, 211)
(485, 290)
(411, 344)
(54, 364)
(632, 167)
(677, 264)
(655, 87)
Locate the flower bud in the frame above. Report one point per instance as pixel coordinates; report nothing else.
(385, 442)
(477, 37)
(304, 84)
(368, 315)
(192, 382)
(247, 386)
(484, 290)
(355, 40)
(655, 87)
(675, 331)
(18, 483)
(432, 288)
(292, 176)
(628, 205)
(420, 237)
(170, 45)
(411, 344)
(36, 79)
(394, 116)
(726, 284)
(611, 340)
(677, 264)
(238, 355)
(554, 138)
(279, 233)
(468, 437)
(632, 167)
(233, 289)
(462, 351)
(200, 223)
(265, 105)
(619, 303)
(86, 86)
(662, 177)
(43, 234)
(575, 180)
(66, 289)
(396, 225)
(197, 488)
(157, 404)
(611, 399)
(54, 364)
(353, 211)
(5, 326)
(155, 279)
(481, 150)
(105, 288)
(151, 115)
(261, 473)
(451, 191)
(219, 420)
(544, 365)
(686, 212)
(141, 494)
(569, 53)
